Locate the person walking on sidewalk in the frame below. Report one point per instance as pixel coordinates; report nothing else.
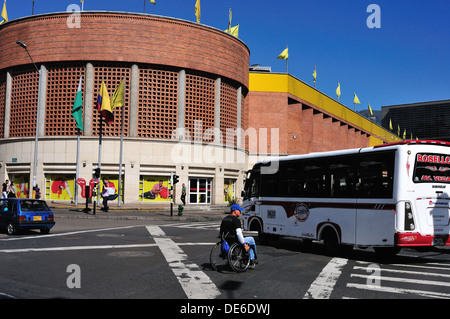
(183, 194)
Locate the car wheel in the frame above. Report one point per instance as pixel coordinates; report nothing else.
(10, 229)
(45, 230)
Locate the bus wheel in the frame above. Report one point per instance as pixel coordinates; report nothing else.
(387, 251)
(262, 237)
(330, 240)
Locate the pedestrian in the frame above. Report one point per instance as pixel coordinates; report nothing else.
(108, 193)
(37, 192)
(183, 194)
(5, 189)
(12, 190)
(231, 231)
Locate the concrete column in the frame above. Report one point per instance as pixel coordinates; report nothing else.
(181, 104)
(7, 104)
(42, 99)
(239, 118)
(88, 99)
(134, 100)
(218, 186)
(217, 134)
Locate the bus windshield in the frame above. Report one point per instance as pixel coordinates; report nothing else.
(432, 168)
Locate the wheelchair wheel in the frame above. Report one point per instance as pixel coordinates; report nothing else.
(238, 258)
(217, 260)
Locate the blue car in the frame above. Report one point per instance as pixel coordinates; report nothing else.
(24, 213)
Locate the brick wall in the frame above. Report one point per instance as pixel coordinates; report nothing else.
(302, 128)
(125, 37)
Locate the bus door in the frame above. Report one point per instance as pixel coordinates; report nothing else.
(251, 193)
(375, 220)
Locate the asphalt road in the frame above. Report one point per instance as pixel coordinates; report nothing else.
(132, 259)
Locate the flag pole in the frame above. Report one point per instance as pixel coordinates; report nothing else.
(77, 169)
(287, 59)
(121, 145)
(144, 6)
(99, 156)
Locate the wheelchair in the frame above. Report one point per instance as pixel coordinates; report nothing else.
(237, 258)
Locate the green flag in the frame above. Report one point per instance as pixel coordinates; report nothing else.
(77, 109)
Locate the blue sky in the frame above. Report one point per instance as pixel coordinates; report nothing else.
(407, 60)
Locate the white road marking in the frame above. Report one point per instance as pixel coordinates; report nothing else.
(406, 280)
(27, 250)
(65, 234)
(6, 296)
(49, 249)
(401, 291)
(195, 283)
(323, 286)
(421, 273)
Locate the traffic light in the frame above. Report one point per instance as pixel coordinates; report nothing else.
(97, 172)
(175, 179)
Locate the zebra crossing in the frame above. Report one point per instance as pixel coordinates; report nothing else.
(196, 225)
(409, 280)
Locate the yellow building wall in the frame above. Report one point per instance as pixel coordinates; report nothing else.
(286, 83)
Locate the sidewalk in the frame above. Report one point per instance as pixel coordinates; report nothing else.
(191, 213)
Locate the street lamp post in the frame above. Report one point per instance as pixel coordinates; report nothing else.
(36, 140)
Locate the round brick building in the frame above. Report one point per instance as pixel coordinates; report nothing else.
(185, 95)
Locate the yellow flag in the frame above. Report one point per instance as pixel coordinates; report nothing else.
(314, 74)
(391, 128)
(104, 104)
(370, 110)
(398, 130)
(338, 90)
(117, 98)
(234, 31)
(284, 55)
(404, 134)
(356, 100)
(197, 10)
(4, 14)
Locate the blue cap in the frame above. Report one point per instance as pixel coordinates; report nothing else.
(236, 206)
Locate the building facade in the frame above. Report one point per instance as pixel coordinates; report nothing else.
(304, 119)
(426, 120)
(185, 85)
(191, 108)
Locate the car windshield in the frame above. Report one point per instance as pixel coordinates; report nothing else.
(33, 206)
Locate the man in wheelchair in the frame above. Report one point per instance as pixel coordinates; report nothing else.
(231, 231)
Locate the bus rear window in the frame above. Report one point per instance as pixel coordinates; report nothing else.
(432, 168)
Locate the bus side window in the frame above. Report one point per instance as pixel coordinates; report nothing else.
(315, 180)
(342, 177)
(375, 175)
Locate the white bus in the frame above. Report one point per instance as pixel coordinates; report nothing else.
(387, 197)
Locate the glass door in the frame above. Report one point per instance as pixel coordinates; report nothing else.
(200, 190)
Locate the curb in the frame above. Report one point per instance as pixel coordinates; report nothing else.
(141, 213)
